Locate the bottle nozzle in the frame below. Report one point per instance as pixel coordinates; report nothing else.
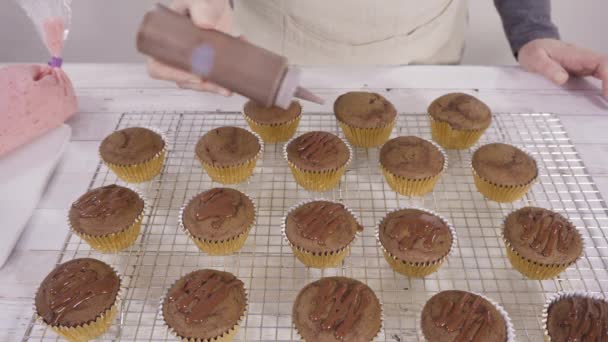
(305, 94)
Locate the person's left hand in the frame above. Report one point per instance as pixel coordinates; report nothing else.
(557, 60)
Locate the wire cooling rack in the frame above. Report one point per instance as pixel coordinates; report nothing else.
(273, 276)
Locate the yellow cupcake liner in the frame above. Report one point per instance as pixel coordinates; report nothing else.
(140, 172)
(451, 138)
(560, 296)
(218, 247)
(367, 137)
(274, 133)
(415, 269)
(233, 174)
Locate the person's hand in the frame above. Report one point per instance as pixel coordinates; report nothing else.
(557, 60)
(207, 14)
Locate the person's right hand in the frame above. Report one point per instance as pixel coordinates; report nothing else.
(207, 14)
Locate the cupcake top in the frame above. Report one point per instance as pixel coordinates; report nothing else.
(364, 110)
(227, 146)
(77, 292)
(461, 111)
(273, 115)
(577, 318)
(105, 210)
(204, 304)
(415, 235)
(131, 146)
(411, 157)
(318, 151)
(543, 236)
(321, 226)
(337, 309)
(504, 165)
(462, 316)
(218, 214)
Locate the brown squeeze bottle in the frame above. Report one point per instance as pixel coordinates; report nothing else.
(234, 64)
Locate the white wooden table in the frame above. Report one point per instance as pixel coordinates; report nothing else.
(106, 91)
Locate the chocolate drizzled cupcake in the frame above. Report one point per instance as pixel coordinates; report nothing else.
(218, 220)
(205, 305)
(108, 218)
(320, 232)
(576, 316)
(79, 299)
(337, 309)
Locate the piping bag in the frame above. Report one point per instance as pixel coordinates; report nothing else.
(234, 64)
(36, 98)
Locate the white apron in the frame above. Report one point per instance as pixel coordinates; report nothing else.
(357, 32)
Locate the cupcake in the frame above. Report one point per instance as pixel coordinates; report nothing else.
(273, 124)
(576, 316)
(540, 243)
(134, 154)
(229, 154)
(320, 232)
(411, 165)
(317, 160)
(367, 119)
(79, 299)
(415, 242)
(458, 120)
(218, 220)
(107, 218)
(503, 173)
(205, 305)
(464, 316)
(337, 309)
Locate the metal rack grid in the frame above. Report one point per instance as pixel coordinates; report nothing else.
(273, 276)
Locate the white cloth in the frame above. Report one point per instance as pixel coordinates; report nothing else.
(357, 32)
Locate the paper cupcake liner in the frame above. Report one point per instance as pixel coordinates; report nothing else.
(233, 174)
(93, 329)
(274, 133)
(318, 180)
(564, 295)
(451, 138)
(415, 269)
(537, 270)
(225, 337)
(144, 171)
(503, 193)
(328, 259)
(218, 247)
(367, 137)
(414, 186)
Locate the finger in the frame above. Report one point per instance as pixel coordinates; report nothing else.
(205, 86)
(160, 71)
(602, 74)
(543, 64)
(207, 14)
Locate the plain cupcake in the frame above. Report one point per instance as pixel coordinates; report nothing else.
(458, 120)
(366, 119)
(218, 220)
(107, 218)
(320, 232)
(79, 299)
(337, 309)
(205, 305)
(273, 124)
(229, 154)
(541, 243)
(503, 173)
(134, 154)
(576, 316)
(317, 160)
(411, 165)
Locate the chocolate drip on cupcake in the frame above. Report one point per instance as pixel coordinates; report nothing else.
(545, 231)
(410, 229)
(466, 318)
(103, 202)
(576, 317)
(217, 205)
(321, 219)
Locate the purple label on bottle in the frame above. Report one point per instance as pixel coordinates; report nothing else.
(202, 60)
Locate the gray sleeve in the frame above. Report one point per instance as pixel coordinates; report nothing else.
(526, 20)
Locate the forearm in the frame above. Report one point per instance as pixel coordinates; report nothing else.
(526, 20)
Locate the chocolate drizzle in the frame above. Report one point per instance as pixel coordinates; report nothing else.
(587, 320)
(338, 306)
(319, 220)
(466, 318)
(199, 296)
(103, 202)
(545, 231)
(315, 146)
(409, 229)
(218, 205)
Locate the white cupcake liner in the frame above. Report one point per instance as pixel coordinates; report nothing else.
(565, 295)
